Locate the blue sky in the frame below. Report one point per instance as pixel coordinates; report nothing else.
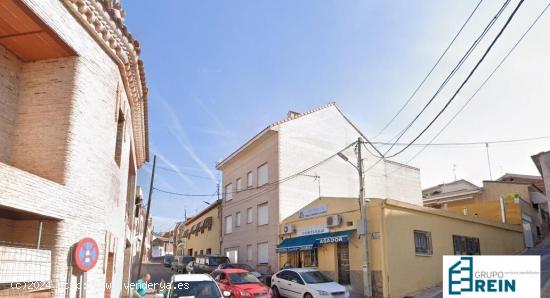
(220, 71)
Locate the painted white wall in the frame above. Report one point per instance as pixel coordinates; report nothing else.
(305, 141)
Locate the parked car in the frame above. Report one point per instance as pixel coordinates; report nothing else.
(206, 264)
(241, 283)
(181, 263)
(240, 266)
(168, 258)
(305, 283)
(194, 285)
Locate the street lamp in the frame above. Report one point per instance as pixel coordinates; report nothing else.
(362, 227)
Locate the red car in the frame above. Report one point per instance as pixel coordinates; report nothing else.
(241, 283)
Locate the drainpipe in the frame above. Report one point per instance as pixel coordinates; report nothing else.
(502, 209)
(40, 225)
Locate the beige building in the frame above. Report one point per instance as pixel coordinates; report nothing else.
(203, 232)
(264, 180)
(512, 199)
(404, 239)
(73, 131)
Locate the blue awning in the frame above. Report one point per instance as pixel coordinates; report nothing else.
(310, 241)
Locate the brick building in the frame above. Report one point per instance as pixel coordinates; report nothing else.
(73, 132)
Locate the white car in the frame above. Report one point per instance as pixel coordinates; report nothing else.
(195, 285)
(305, 283)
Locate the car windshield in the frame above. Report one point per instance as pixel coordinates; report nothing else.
(215, 261)
(314, 277)
(237, 266)
(243, 278)
(197, 289)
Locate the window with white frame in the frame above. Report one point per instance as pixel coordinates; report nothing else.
(238, 219)
(263, 253)
(262, 174)
(249, 215)
(263, 214)
(423, 243)
(249, 180)
(249, 252)
(239, 184)
(229, 224)
(229, 192)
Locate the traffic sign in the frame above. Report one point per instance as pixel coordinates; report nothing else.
(86, 254)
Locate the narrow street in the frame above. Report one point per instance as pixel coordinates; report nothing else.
(158, 272)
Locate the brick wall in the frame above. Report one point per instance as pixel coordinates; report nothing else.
(10, 69)
(83, 185)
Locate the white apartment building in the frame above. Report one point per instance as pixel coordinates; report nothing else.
(258, 193)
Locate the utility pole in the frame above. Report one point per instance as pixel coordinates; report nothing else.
(147, 216)
(367, 291)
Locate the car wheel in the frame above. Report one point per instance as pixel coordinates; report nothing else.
(308, 295)
(275, 292)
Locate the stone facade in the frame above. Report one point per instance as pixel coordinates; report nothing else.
(60, 119)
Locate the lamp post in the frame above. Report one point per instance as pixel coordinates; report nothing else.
(362, 227)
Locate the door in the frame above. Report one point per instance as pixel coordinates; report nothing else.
(343, 263)
(527, 234)
(232, 254)
(295, 287)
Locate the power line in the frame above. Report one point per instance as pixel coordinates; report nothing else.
(466, 143)
(183, 194)
(465, 81)
(483, 84)
(429, 73)
(183, 173)
(453, 72)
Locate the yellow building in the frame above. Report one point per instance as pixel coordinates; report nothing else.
(203, 232)
(512, 199)
(406, 242)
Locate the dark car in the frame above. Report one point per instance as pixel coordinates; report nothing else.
(240, 266)
(207, 264)
(181, 262)
(168, 258)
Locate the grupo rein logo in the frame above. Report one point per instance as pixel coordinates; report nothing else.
(491, 276)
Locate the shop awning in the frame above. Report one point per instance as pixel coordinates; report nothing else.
(310, 241)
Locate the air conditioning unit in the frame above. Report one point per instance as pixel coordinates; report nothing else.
(288, 229)
(334, 220)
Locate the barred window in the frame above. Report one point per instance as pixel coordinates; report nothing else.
(423, 243)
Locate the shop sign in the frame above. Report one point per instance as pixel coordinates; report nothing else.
(313, 211)
(333, 239)
(312, 230)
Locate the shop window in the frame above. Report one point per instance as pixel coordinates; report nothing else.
(423, 243)
(466, 245)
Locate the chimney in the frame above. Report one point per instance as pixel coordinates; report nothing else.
(292, 115)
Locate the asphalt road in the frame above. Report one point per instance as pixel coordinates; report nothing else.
(158, 272)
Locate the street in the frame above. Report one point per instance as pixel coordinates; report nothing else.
(158, 272)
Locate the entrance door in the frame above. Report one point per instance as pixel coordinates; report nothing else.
(232, 254)
(343, 263)
(527, 234)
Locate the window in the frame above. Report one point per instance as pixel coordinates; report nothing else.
(263, 255)
(423, 243)
(249, 215)
(208, 251)
(466, 245)
(228, 224)
(200, 253)
(262, 175)
(229, 192)
(263, 214)
(119, 137)
(238, 219)
(249, 252)
(249, 181)
(239, 184)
